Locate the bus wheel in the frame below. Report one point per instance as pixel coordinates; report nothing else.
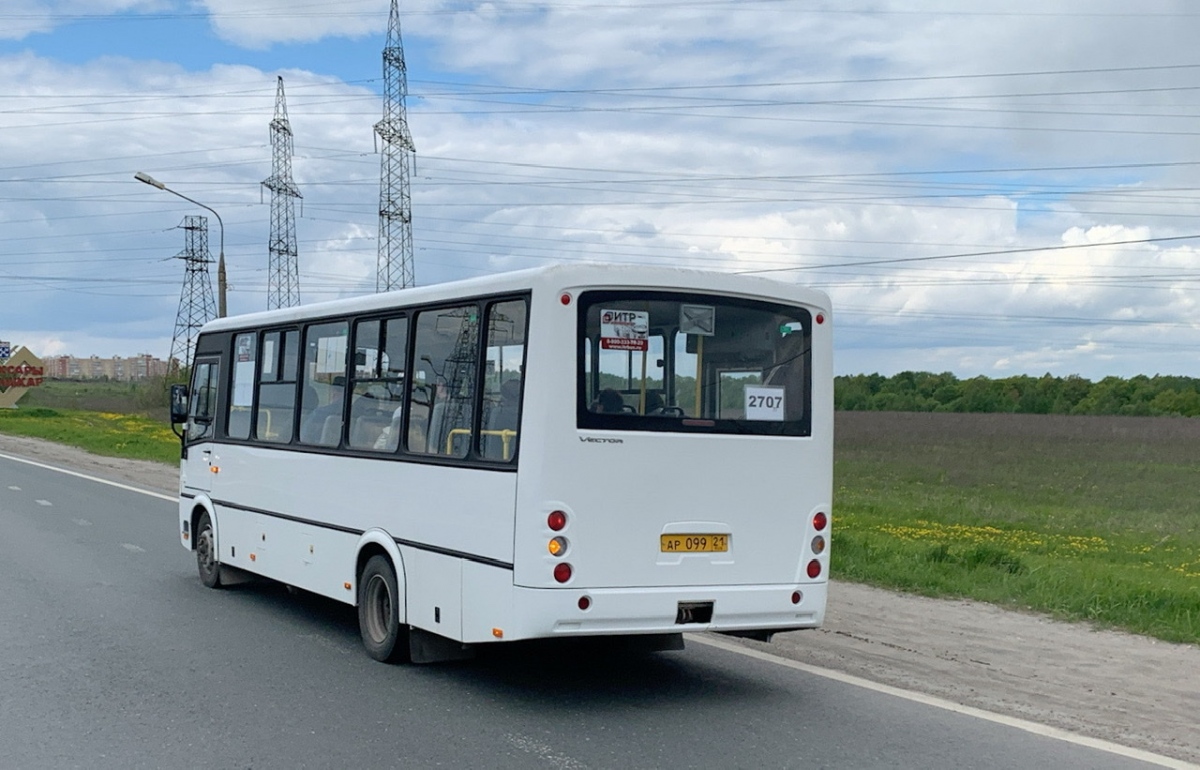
(206, 553)
(379, 612)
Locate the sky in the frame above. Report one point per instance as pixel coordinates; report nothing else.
(984, 187)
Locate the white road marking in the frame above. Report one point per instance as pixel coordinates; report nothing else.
(44, 503)
(543, 751)
(15, 489)
(958, 708)
(82, 522)
(132, 547)
(159, 495)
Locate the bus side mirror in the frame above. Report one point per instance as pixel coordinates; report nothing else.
(179, 405)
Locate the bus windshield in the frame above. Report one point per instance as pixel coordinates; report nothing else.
(660, 361)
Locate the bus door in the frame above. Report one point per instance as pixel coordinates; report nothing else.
(202, 414)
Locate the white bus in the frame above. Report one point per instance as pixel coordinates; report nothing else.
(568, 451)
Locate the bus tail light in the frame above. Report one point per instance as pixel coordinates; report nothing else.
(818, 545)
(585, 602)
(557, 546)
(797, 597)
(556, 520)
(562, 572)
(820, 521)
(814, 569)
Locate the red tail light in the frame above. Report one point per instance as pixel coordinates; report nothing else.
(562, 572)
(814, 569)
(556, 520)
(820, 521)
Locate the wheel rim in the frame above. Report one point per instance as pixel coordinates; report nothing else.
(378, 608)
(204, 550)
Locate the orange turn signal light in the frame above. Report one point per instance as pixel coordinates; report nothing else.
(557, 546)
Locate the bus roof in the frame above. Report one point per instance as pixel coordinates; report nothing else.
(591, 275)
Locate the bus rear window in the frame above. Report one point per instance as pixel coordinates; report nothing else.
(658, 361)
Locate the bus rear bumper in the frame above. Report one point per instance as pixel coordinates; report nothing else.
(618, 611)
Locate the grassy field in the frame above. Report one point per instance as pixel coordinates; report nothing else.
(104, 433)
(143, 398)
(1084, 518)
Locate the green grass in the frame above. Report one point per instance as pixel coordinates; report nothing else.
(147, 397)
(1091, 520)
(103, 433)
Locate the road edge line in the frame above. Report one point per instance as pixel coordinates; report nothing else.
(948, 705)
(97, 479)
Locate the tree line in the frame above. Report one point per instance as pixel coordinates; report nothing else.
(928, 392)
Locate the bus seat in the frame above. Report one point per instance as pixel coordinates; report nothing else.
(331, 430)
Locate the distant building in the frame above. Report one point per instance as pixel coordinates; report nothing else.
(141, 367)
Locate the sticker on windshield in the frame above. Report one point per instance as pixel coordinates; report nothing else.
(698, 319)
(764, 403)
(624, 329)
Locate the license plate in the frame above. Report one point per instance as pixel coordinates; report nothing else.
(683, 543)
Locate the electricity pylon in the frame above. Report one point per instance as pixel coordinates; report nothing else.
(283, 281)
(394, 265)
(196, 304)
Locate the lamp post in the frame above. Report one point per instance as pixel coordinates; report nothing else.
(141, 176)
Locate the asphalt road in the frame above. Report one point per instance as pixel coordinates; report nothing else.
(112, 654)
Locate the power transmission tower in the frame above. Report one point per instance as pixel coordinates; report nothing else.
(283, 283)
(394, 267)
(196, 304)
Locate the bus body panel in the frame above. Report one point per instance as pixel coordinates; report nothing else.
(434, 592)
(441, 507)
(314, 558)
(556, 612)
(623, 489)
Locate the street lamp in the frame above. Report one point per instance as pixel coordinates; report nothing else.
(142, 176)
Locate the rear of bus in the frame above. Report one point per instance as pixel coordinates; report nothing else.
(677, 459)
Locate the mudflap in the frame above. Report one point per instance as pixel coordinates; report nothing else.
(232, 576)
(758, 636)
(426, 647)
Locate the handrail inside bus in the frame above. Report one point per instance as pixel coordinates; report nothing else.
(504, 435)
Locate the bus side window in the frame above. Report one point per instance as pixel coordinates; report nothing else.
(445, 356)
(277, 387)
(322, 408)
(504, 375)
(377, 390)
(237, 424)
(203, 401)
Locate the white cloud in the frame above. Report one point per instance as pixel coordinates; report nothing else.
(824, 156)
(23, 18)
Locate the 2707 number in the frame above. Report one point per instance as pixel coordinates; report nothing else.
(765, 402)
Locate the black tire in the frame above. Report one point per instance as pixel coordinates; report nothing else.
(206, 553)
(384, 636)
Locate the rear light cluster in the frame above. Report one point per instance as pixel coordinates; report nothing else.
(820, 521)
(558, 546)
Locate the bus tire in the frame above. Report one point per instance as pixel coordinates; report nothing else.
(206, 552)
(385, 638)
